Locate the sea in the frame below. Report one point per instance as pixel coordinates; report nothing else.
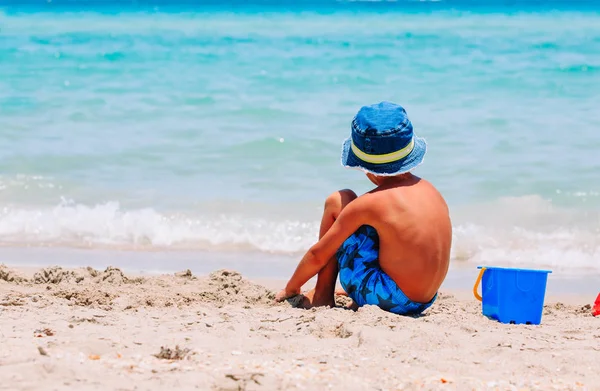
(200, 134)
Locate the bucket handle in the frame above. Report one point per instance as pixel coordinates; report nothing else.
(475, 293)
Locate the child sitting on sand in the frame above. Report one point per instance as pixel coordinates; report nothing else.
(391, 246)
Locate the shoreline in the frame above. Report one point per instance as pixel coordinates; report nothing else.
(277, 268)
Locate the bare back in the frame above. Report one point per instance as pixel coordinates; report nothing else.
(415, 233)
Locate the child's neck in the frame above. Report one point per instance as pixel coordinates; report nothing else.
(384, 182)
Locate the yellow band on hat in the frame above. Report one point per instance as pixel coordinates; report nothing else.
(385, 158)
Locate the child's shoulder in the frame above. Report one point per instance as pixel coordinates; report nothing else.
(376, 199)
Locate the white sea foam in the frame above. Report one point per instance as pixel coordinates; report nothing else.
(522, 232)
(528, 232)
(107, 225)
(562, 249)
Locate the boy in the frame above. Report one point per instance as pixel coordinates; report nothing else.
(391, 246)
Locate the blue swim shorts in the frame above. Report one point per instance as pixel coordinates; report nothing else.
(365, 282)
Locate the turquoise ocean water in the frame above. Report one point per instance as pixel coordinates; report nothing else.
(218, 127)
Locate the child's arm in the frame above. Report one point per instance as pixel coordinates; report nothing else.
(351, 217)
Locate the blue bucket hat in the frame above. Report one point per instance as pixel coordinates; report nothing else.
(382, 141)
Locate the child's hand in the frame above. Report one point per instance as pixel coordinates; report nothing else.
(286, 294)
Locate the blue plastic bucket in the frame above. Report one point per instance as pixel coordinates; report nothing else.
(512, 295)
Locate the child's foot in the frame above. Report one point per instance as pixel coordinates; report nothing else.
(344, 300)
(351, 306)
(340, 292)
(311, 300)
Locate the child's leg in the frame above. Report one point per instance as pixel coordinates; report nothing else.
(323, 294)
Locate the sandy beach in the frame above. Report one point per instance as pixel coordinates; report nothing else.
(90, 329)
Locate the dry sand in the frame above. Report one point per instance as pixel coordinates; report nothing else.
(86, 329)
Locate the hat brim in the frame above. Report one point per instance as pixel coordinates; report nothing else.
(402, 166)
